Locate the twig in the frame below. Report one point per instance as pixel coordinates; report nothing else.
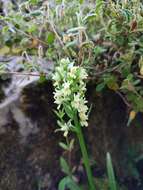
(57, 35)
(139, 76)
(21, 73)
(31, 37)
(105, 70)
(124, 99)
(59, 39)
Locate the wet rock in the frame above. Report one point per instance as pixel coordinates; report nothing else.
(34, 161)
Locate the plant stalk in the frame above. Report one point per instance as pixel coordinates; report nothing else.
(84, 154)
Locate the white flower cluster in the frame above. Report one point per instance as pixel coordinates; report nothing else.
(70, 89)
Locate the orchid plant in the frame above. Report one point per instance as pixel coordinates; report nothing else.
(72, 109)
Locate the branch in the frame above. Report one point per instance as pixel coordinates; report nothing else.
(124, 99)
(20, 73)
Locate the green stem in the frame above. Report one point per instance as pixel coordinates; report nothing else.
(84, 154)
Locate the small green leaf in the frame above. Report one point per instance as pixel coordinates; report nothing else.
(98, 50)
(35, 13)
(72, 185)
(42, 78)
(68, 111)
(64, 146)
(2, 67)
(67, 182)
(63, 183)
(110, 171)
(71, 44)
(60, 113)
(33, 2)
(99, 6)
(32, 28)
(50, 38)
(81, 1)
(100, 87)
(5, 29)
(64, 166)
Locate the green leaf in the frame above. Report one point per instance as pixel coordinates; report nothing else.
(63, 183)
(71, 44)
(67, 182)
(32, 28)
(75, 29)
(64, 146)
(5, 29)
(64, 166)
(60, 113)
(100, 87)
(99, 6)
(33, 2)
(68, 111)
(81, 1)
(2, 68)
(98, 50)
(110, 171)
(35, 13)
(72, 185)
(42, 78)
(50, 38)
